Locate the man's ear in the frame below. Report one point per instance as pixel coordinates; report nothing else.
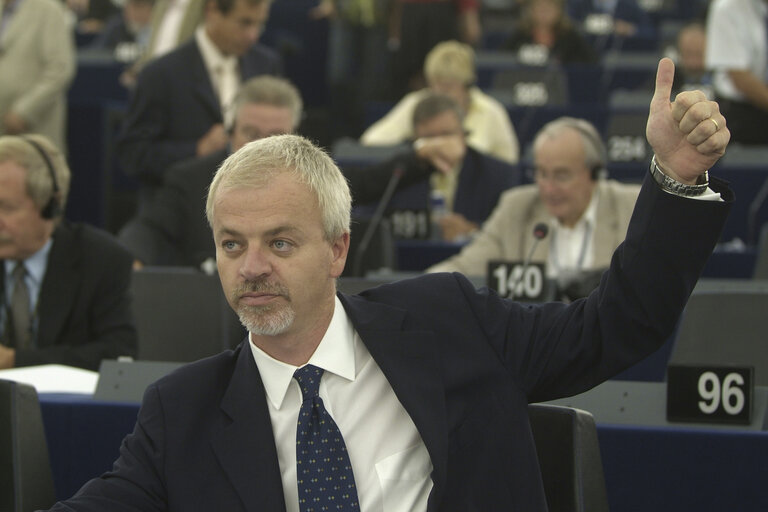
(339, 251)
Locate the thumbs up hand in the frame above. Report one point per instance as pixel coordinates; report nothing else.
(687, 135)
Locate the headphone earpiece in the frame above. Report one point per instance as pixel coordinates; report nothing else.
(598, 171)
(52, 208)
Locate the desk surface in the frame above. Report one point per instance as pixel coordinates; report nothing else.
(647, 468)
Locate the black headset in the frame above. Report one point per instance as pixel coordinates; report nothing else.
(52, 208)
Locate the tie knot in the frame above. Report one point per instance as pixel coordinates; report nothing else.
(308, 378)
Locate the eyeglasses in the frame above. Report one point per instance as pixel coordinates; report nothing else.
(559, 176)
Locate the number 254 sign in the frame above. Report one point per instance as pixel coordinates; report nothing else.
(721, 394)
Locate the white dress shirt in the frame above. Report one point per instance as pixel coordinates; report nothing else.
(736, 40)
(223, 71)
(390, 462)
(573, 249)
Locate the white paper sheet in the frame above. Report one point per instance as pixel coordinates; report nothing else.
(54, 378)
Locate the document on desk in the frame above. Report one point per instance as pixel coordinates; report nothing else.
(54, 378)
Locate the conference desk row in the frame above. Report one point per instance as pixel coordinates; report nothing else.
(660, 468)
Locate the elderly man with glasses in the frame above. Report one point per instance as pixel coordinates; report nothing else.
(586, 214)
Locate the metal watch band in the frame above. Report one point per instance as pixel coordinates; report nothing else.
(677, 188)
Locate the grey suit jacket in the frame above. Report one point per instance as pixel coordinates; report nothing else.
(37, 64)
(507, 234)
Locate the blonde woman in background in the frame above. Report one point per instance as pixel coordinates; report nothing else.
(450, 70)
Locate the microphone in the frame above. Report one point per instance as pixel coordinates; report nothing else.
(754, 209)
(540, 232)
(376, 218)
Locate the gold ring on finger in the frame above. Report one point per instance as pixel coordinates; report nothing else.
(717, 126)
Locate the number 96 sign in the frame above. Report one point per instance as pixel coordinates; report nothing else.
(709, 394)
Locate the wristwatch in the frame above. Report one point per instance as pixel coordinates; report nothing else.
(675, 187)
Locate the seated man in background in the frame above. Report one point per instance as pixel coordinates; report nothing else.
(172, 229)
(469, 181)
(450, 70)
(64, 288)
(691, 71)
(586, 214)
(184, 99)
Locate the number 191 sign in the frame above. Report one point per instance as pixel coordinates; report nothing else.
(714, 394)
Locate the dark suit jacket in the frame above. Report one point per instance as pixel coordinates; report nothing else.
(463, 363)
(172, 228)
(481, 181)
(174, 104)
(84, 308)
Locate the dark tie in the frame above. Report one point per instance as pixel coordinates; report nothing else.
(19, 312)
(323, 470)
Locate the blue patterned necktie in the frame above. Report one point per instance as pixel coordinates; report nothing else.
(323, 470)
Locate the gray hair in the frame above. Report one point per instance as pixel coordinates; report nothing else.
(260, 161)
(594, 149)
(271, 90)
(39, 183)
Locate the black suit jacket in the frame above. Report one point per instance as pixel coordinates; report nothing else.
(84, 308)
(482, 180)
(174, 104)
(172, 228)
(464, 364)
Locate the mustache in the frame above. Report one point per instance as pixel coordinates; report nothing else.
(262, 286)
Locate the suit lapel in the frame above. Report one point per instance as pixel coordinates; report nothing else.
(248, 442)
(60, 286)
(203, 86)
(410, 362)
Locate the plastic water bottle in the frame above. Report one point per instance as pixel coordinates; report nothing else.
(437, 210)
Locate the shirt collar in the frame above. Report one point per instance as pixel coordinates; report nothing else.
(212, 56)
(335, 354)
(35, 264)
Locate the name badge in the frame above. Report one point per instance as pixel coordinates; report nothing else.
(513, 280)
(710, 394)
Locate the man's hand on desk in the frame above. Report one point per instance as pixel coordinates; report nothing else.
(7, 358)
(455, 226)
(688, 135)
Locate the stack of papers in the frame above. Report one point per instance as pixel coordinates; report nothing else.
(54, 378)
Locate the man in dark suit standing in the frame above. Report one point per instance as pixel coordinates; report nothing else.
(172, 229)
(420, 386)
(183, 100)
(64, 288)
